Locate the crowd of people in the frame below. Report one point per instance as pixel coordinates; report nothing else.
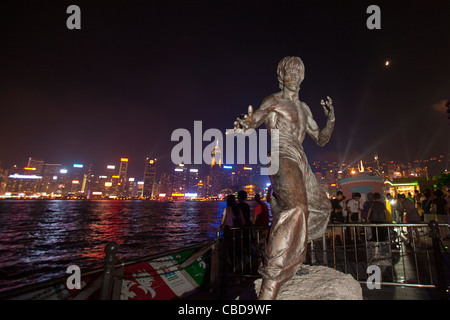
(410, 209)
(417, 208)
(238, 214)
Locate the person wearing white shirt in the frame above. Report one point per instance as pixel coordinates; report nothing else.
(354, 209)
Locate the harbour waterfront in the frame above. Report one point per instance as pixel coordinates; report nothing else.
(39, 239)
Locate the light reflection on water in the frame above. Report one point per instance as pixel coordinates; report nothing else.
(39, 239)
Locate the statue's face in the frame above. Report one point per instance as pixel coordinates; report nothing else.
(292, 79)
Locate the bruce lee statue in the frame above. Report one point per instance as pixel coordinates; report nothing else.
(300, 207)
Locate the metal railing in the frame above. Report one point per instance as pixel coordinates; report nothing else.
(244, 250)
(407, 254)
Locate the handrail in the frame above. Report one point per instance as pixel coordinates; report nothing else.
(9, 294)
(384, 225)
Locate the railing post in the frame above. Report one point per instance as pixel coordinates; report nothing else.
(214, 263)
(324, 251)
(438, 261)
(108, 272)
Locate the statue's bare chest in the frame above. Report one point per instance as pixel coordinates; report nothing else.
(289, 115)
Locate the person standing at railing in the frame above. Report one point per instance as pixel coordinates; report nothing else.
(261, 219)
(378, 214)
(440, 207)
(337, 215)
(261, 216)
(364, 215)
(232, 217)
(411, 215)
(426, 206)
(390, 208)
(354, 209)
(244, 207)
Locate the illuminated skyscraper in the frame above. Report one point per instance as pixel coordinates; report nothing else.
(78, 179)
(149, 178)
(179, 179)
(216, 155)
(123, 183)
(192, 181)
(165, 184)
(37, 164)
(123, 169)
(50, 175)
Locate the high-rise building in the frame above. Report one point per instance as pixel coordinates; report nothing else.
(192, 181)
(165, 185)
(38, 165)
(123, 182)
(78, 179)
(179, 185)
(149, 178)
(216, 155)
(50, 175)
(216, 180)
(245, 176)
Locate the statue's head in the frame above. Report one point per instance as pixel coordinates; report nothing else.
(290, 72)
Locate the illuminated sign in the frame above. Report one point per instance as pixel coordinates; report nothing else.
(123, 159)
(131, 179)
(115, 177)
(140, 182)
(97, 193)
(177, 194)
(102, 177)
(108, 184)
(75, 181)
(24, 176)
(55, 177)
(247, 168)
(162, 195)
(110, 167)
(178, 169)
(193, 170)
(77, 165)
(29, 169)
(191, 195)
(228, 167)
(63, 171)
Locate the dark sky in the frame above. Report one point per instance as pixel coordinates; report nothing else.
(138, 70)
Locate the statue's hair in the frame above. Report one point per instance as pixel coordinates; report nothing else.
(290, 63)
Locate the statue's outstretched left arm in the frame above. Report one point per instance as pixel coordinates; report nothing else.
(321, 137)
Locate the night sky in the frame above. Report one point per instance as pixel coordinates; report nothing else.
(138, 70)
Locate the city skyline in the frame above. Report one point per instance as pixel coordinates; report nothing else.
(137, 71)
(204, 168)
(41, 179)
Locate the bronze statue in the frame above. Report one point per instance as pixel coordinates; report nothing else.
(300, 207)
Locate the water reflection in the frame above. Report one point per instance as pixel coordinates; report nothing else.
(39, 239)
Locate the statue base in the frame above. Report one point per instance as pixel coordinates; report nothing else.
(318, 283)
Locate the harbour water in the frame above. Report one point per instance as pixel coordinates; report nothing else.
(39, 239)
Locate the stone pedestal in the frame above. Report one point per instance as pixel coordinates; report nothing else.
(318, 283)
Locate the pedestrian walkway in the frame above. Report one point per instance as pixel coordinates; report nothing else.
(399, 293)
